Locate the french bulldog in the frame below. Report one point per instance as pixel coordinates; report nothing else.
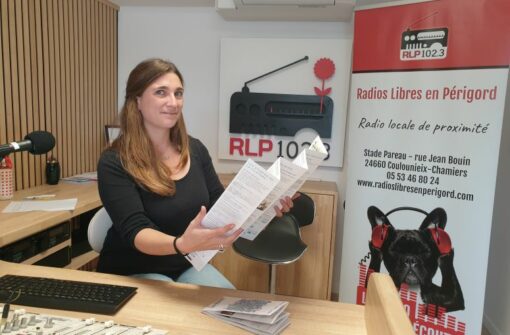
(413, 256)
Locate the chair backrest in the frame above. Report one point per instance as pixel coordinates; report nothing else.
(303, 210)
(98, 227)
(384, 312)
(280, 242)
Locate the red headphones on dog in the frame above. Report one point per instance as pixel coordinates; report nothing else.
(437, 232)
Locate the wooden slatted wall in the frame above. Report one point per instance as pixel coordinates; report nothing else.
(58, 73)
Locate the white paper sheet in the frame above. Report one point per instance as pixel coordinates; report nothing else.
(246, 191)
(41, 205)
(292, 176)
(289, 173)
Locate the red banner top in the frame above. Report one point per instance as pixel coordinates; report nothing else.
(433, 35)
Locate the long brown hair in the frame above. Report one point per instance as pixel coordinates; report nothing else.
(134, 145)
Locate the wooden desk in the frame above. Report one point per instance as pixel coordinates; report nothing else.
(177, 307)
(16, 226)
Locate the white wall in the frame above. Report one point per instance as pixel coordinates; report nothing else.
(190, 37)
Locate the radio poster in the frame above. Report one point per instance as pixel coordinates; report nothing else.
(427, 97)
(277, 95)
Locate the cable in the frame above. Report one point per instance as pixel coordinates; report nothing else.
(13, 299)
(7, 306)
(5, 314)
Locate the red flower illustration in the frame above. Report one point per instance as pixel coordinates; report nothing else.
(324, 68)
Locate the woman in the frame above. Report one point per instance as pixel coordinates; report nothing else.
(156, 183)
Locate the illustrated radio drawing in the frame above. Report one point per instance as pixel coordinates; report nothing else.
(279, 114)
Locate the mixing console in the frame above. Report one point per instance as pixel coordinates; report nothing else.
(21, 322)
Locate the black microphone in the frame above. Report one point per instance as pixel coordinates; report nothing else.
(37, 142)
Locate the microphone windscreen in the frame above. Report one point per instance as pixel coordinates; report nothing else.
(42, 142)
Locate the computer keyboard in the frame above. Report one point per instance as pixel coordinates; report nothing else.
(64, 294)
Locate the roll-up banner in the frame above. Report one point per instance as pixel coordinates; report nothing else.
(427, 97)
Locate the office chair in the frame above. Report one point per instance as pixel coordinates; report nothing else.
(280, 242)
(98, 227)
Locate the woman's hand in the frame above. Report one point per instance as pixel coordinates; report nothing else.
(196, 237)
(286, 203)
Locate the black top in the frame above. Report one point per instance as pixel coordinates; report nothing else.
(133, 208)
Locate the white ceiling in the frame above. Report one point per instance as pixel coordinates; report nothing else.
(205, 3)
(258, 10)
(175, 3)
